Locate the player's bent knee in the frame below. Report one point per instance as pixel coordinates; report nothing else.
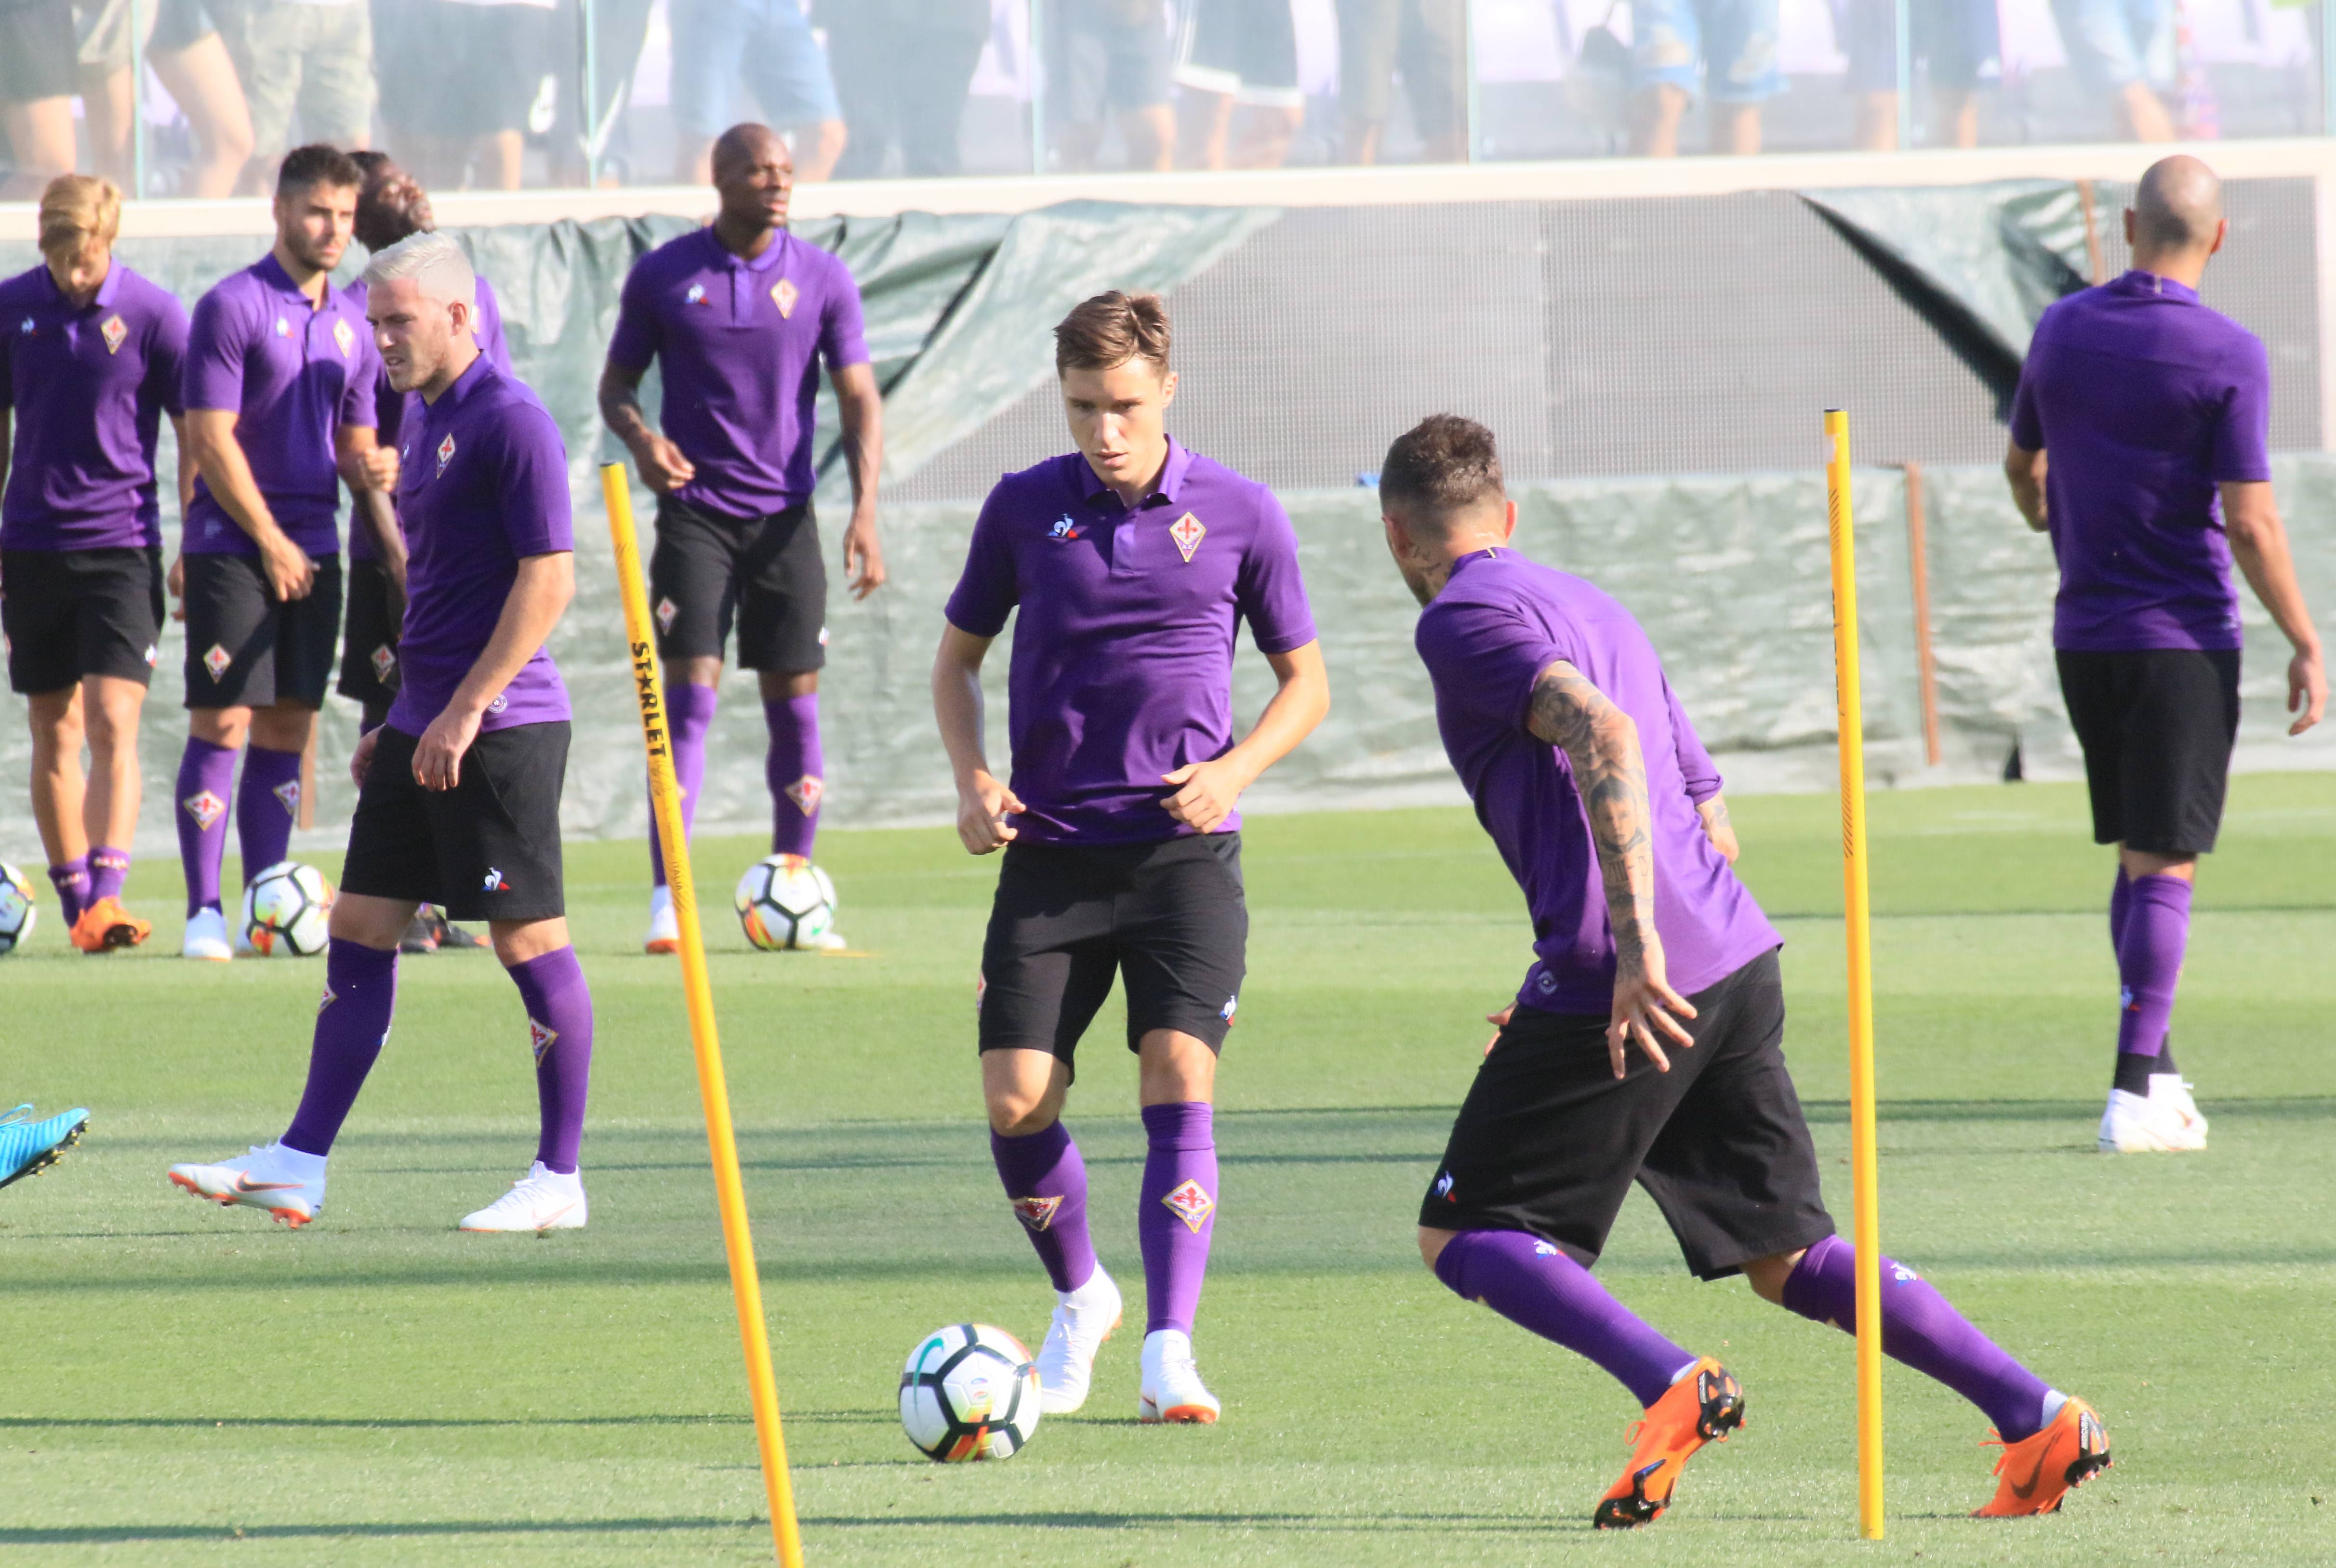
(370, 921)
(517, 941)
(1768, 1275)
(1432, 1243)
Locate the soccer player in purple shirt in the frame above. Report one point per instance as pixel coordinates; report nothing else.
(1557, 716)
(279, 398)
(1132, 562)
(2140, 440)
(738, 315)
(90, 359)
(459, 790)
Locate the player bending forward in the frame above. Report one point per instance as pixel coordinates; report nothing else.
(1133, 561)
(1556, 712)
(457, 799)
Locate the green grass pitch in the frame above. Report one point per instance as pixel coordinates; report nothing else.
(183, 1384)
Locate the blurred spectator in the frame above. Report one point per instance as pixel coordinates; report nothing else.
(37, 83)
(309, 58)
(1955, 39)
(1238, 54)
(1107, 57)
(103, 78)
(1734, 43)
(581, 141)
(903, 68)
(1424, 40)
(766, 46)
(187, 54)
(462, 83)
(2124, 51)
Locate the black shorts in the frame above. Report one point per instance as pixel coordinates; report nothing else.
(765, 573)
(369, 653)
(68, 614)
(1242, 50)
(39, 49)
(179, 25)
(1106, 60)
(486, 849)
(453, 69)
(1170, 917)
(1549, 1141)
(246, 648)
(2157, 727)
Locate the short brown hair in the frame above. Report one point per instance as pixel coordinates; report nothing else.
(1442, 465)
(76, 209)
(1112, 330)
(319, 163)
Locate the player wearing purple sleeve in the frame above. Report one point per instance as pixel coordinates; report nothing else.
(280, 395)
(1132, 563)
(2140, 439)
(89, 358)
(1556, 712)
(459, 791)
(739, 316)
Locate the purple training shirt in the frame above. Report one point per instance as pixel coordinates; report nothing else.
(1124, 651)
(88, 389)
(739, 343)
(391, 405)
(1486, 638)
(482, 484)
(2145, 400)
(293, 374)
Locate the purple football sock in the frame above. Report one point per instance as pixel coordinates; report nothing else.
(352, 1026)
(71, 882)
(688, 715)
(793, 770)
(559, 1026)
(1046, 1182)
(2149, 961)
(1538, 1288)
(2120, 905)
(1176, 1214)
(206, 773)
(1920, 1328)
(267, 804)
(108, 868)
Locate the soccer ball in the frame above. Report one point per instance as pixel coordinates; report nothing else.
(969, 1392)
(785, 901)
(286, 910)
(18, 915)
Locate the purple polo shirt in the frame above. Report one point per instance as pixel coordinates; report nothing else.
(88, 389)
(2145, 400)
(391, 405)
(482, 483)
(1124, 651)
(293, 374)
(740, 343)
(1498, 623)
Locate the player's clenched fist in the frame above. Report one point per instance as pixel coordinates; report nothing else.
(381, 469)
(983, 809)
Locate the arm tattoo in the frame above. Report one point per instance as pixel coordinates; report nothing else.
(1611, 773)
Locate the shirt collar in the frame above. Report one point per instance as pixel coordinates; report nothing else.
(2140, 282)
(724, 256)
(1171, 481)
(1461, 563)
(469, 382)
(271, 272)
(106, 291)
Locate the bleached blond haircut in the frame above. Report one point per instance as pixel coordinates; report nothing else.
(77, 209)
(436, 264)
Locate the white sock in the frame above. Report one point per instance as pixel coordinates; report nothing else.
(567, 1181)
(306, 1167)
(1683, 1371)
(660, 899)
(2053, 1400)
(1094, 1292)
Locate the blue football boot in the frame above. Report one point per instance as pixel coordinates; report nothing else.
(28, 1147)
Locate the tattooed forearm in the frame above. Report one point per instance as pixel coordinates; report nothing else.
(1611, 772)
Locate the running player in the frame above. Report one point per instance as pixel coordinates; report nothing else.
(90, 357)
(739, 314)
(391, 206)
(280, 395)
(459, 791)
(1557, 716)
(2155, 414)
(1133, 561)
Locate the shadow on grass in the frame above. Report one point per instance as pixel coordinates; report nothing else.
(125, 1534)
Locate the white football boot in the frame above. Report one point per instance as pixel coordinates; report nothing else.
(1172, 1389)
(289, 1184)
(1084, 1320)
(541, 1200)
(206, 937)
(2165, 1121)
(665, 926)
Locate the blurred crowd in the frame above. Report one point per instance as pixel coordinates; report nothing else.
(462, 91)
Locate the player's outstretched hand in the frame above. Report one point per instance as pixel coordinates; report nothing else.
(1206, 794)
(863, 558)
(361, 759)
(2307, 689)
(438, 755)
(982, 810)
(1644, 1006)
(663, 467)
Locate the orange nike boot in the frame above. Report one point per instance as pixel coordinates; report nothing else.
(105, 925)
(2037, 1474)
(1703, 1407)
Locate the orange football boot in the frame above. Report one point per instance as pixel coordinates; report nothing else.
(105, 925)
(1703, 1407)
(2037, 1473)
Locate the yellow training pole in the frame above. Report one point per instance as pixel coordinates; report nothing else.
(1864, 1172)
(730, 1193)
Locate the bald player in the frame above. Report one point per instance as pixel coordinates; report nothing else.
(2140, 441)
(739, 316)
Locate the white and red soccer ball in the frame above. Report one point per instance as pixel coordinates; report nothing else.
(969, 1391)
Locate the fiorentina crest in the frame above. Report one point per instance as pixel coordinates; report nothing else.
(666, 610)
(206, 808)
(217, 660)
(384, 662)
(805, 792)
(1188, 533)
(541, 1038)
(783, 294)
(288, 795)
(114, 333)
(345, 337)
(446, 451)
(1037, 1214)
(327, 999)
(1191, 1202)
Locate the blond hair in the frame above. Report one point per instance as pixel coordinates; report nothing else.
(77, 209)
